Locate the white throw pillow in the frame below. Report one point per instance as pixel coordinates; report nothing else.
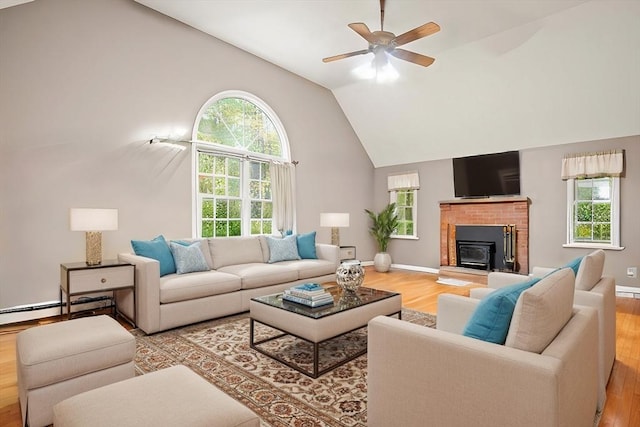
(541, 312)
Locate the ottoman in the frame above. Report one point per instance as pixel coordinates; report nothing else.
(173, 396)
(60, 360)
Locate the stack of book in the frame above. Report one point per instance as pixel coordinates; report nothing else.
(309, 294)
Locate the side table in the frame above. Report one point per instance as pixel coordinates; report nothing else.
(78, 278)
(347, 252)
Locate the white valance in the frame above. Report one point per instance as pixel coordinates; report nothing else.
(404, 181)
(593, 165)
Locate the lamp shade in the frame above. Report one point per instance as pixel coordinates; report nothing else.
(82, 219)
(334, 220)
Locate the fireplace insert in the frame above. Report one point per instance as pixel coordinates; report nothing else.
(474, 254)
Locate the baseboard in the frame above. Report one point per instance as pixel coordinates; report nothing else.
(49, 309)
(415, 268)
(627, 291)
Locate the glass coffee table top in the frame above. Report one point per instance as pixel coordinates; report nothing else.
(342, 301)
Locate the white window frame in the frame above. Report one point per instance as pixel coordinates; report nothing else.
(393, 198)
(245, 156)
(615, 218)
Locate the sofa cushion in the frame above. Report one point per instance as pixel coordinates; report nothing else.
(174, 288)
(157, 249)
(307, 245)
(590, 271)
(574, 264)
(204, 247)
(188, 258)
(542, 311)
(308, 268)
(257, 275)
(284, 249)
(235, 250)
(491, 319)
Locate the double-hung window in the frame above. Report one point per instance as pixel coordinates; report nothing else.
(237, 138)
(403, 191)
(593, 199)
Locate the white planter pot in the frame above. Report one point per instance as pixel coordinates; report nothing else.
(382, 262)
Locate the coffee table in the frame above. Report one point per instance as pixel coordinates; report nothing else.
(349, 312)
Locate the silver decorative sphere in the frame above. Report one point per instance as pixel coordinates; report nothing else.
(350, 275)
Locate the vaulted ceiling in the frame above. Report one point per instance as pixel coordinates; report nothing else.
(508, 74)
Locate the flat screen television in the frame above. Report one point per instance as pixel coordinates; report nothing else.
(496, 174)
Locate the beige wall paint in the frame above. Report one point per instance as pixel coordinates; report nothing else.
(540, 181)
(85, 84)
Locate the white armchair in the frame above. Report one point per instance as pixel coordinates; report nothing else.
(419, 376)
(592, 290)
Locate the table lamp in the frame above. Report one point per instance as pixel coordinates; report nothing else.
(334, 220)
(93, 222)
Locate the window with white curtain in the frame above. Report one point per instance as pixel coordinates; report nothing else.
(593, 199)
(403, 191)
(238, 137)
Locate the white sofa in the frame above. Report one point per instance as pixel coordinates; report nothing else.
(592, 290)
(421, 376)
(239, 271)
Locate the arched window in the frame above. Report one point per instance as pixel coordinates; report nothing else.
(237, 137)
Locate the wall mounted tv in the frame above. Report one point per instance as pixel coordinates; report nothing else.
(496, 174)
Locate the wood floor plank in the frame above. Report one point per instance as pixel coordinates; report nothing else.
(419, 292)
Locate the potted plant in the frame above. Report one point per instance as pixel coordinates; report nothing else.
(384, 225)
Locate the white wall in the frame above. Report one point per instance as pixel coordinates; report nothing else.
(85, 84)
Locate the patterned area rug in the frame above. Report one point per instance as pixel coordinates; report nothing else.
(219, 351)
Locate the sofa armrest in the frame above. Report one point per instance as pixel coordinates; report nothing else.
(480, 293)
(328, 253)
(147, 291)
(498, 279)
(417, 374)
(454, 312)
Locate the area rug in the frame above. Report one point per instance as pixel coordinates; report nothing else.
(219, 351)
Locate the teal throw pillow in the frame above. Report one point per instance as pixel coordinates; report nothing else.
(307, 245)
(285, 249)
(491, 319)
(157, 249)
(188, 259)
(574, 265)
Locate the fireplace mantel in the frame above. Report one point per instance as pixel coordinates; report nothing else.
(485, 211)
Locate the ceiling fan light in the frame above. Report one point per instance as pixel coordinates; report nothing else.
(386, 73)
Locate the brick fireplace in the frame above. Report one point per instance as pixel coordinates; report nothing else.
(510, 214)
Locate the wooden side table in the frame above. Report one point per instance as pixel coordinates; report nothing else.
(78, 278)
(347, 252)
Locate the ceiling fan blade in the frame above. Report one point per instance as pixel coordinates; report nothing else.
(416, 58)
(415, 34)
(346, 55)
(363, 30)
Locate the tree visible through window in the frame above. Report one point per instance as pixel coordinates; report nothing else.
(238, 136)
(405, 201)
(592, 210)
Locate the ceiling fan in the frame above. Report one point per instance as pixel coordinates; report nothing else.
(386, 42)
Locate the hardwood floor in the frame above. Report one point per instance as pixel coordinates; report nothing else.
(419, 292)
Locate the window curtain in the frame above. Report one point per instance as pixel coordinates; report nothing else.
(283, 190)
(404, 181)
(593, 165)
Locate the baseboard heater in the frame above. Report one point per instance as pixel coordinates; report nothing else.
(55, 304)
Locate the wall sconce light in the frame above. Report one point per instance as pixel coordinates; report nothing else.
(334, 220)
(168, 141)
(93, 222)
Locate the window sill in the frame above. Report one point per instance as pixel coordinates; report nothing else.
(406, 237)
(593, 246)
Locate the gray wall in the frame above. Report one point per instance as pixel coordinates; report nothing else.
(85, 84)
(540, 181)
